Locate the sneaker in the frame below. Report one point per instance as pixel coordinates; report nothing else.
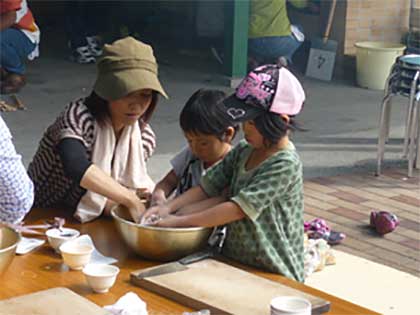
(82, 55)
(282, 61)
(12, 83)
(94, 45)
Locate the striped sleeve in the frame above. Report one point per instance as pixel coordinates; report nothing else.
(75, 122)
(149, 141)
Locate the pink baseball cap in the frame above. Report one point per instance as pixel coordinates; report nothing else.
(266, 88)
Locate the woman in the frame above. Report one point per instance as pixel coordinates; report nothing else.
(93, 156)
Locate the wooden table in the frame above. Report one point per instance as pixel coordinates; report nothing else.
(43, 269)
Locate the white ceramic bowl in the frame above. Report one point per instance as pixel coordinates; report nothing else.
(100, 277)
(290, 305)
(76, 255)
(57, 237)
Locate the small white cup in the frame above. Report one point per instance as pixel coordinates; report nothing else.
(76, 255)
(57, 237)
(290, 305)
(100, 277)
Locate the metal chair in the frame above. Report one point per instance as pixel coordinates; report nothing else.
(404, 80)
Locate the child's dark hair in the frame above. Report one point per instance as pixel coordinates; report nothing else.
(203, 113)
(273, 127)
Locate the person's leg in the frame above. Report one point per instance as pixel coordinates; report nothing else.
(256, 49)
(15, 47)
(75, 24)
(94, 15)
(76, 28)
(269, 49)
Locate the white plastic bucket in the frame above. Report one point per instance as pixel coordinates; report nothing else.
(374, 61)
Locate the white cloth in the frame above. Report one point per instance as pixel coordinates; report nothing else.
(129, 304)
(34, 36)
(123, 161)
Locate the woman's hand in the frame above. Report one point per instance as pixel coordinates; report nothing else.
(135, 207)
(144, 194)
(160, 211)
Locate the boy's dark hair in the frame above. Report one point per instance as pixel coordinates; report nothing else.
(98, 107)
(273, 127)
(203, 113)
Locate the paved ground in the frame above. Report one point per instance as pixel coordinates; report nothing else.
(345, 202)
(341, 118)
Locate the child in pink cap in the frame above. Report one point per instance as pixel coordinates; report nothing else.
(263, 175)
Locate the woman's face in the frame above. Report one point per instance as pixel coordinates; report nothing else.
(252, 135)
(127, 110)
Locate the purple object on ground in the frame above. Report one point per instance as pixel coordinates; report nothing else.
(383, 221)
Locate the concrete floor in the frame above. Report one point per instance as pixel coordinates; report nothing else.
(341, 119)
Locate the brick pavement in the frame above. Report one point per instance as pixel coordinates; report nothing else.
(345, 202)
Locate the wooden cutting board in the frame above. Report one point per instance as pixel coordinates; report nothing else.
(56, 301)
(223, 289)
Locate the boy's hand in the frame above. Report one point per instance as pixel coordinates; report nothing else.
(170, 221)
(159, 211)
(158, 198)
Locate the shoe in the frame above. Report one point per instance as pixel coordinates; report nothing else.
(12, 83)
(94, 45)
(383, 221)
(82, 55)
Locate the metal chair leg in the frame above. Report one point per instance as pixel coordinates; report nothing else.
(417, 132)
(388, 120)
(413, 134)
(388, 88)
(382, 133)
(409, 114)
(417, 161)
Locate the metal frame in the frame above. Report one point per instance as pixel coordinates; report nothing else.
(411, 149)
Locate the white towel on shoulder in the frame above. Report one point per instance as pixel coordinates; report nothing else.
(124, 161)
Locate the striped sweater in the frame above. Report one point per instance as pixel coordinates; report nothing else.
(52, 186)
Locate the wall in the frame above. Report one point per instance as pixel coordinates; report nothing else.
(375, 20)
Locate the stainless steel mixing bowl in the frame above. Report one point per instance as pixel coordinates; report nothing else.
(9, 240)
(156, 243)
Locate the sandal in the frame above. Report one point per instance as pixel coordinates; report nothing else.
(12, 83)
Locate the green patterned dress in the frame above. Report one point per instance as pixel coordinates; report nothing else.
(271, 196)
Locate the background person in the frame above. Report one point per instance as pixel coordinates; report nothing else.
(271, 35)
(19, 39)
